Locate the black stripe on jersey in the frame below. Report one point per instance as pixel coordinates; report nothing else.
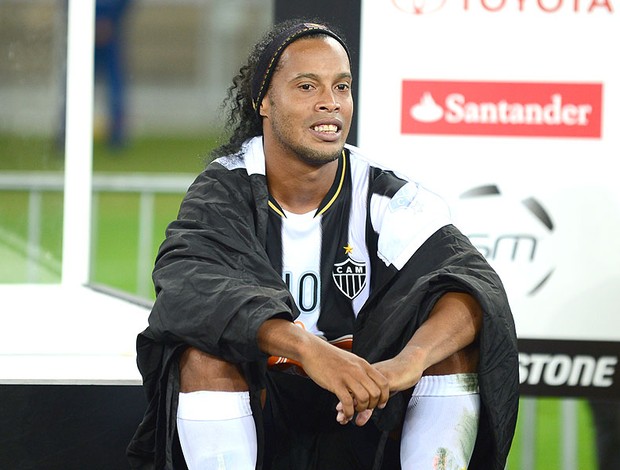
(274, 239)
(337, 316)
(383, 183)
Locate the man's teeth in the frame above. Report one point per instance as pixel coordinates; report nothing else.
(326, 128)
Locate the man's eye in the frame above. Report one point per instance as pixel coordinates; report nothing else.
(342, 86)
(305, 86)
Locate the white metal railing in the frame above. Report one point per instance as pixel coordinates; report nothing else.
(145, 186)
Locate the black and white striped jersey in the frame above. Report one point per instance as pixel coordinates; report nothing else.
(371, 219)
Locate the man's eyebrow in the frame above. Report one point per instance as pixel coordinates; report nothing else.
(314, 76)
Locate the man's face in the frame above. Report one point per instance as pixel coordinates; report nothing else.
(307, 110)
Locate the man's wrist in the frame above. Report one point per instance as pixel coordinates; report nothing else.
(415, 356)
(280, 337)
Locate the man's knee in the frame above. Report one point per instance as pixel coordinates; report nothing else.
(202, 371)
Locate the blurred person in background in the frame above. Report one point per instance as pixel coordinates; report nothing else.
(110, 66)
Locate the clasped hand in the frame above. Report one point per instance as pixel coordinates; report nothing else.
(360, 387)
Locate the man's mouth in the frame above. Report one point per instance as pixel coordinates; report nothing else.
(326, 128)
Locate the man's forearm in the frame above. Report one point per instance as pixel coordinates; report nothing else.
(280, 337)
(453, 324)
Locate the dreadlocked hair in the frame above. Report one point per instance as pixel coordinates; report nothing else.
(242, 121)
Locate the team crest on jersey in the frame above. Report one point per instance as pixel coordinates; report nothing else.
(350, 277)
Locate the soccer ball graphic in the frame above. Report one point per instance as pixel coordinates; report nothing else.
(513, 232)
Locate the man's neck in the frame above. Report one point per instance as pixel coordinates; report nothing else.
(298, 186)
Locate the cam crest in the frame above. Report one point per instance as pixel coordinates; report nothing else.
(350, 277)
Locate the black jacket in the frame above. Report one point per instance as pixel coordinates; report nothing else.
(214, 289)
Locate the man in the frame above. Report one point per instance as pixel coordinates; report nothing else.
(109, 63)
(313, 309)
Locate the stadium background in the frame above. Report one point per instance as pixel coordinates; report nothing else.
(180, 55)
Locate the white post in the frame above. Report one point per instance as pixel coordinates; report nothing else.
(569, 447)
(145, 242)
(78, 142)
(528, 433)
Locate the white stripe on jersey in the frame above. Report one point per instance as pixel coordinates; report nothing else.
(405, 222)
(251, 157)
(301, 257)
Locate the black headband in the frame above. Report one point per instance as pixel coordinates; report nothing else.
(270, 56)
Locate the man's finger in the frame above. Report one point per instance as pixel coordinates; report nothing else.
(383, 386)
(345, 408)
(362, 396)
(363, 417)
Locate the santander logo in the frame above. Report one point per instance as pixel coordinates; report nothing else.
(502, 108)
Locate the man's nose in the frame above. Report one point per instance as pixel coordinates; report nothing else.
(328, 102)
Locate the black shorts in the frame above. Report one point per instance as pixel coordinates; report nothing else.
(301, 431)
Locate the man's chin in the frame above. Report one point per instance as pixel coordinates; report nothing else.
(320, 159)
(320, 156)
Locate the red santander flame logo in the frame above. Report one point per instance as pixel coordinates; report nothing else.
(502, 108)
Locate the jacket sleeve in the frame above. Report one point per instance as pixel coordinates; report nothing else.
(213, 280)
(448, 262)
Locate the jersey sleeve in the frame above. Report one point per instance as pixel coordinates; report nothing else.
(405, 221)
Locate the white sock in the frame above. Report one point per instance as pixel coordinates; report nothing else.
(441, 423)
(216, 430)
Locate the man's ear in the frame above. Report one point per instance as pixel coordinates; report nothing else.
(264, 107)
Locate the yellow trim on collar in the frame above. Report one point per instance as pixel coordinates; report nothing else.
(275, 208)
(331, 201)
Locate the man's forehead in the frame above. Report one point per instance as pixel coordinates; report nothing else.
(298, 52)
